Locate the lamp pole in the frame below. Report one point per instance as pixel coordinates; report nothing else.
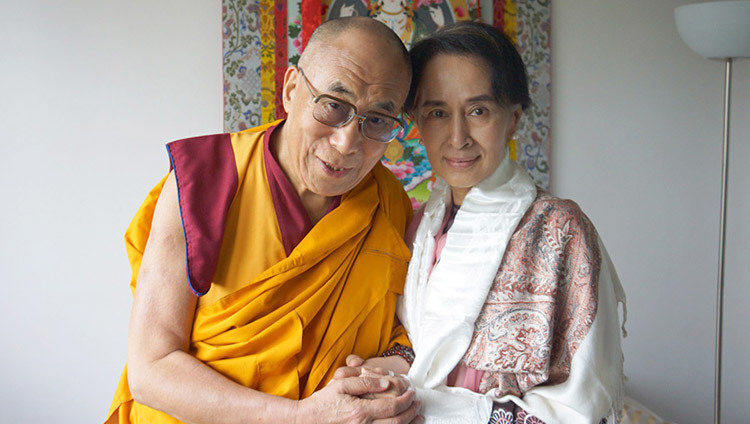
(722, 243)
(718, 30)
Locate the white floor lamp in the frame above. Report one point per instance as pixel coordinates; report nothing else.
(721, 31)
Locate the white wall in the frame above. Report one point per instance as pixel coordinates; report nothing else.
(636, 140)
(90, 91)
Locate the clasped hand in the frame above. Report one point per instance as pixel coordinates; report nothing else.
(373, 368)
(362, 392)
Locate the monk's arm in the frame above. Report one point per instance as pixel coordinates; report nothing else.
(163, 375)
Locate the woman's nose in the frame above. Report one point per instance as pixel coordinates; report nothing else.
(459, 136)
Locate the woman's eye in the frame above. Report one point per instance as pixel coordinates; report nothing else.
(478, 111)
(437, 114)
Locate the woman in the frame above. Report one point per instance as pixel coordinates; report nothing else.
(510, 300)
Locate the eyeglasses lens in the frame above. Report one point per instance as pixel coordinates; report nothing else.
(376, 127)
(380, 128)
(330, 112)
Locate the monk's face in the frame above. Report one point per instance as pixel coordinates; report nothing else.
(355, 67)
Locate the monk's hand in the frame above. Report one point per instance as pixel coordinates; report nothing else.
(340, 402)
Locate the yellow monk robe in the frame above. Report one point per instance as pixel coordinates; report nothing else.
(282, 325)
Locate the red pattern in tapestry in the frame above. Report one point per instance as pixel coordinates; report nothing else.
(311, 11)
(498, 13)
(281, 52)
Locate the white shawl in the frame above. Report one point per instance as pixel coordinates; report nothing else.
(440, 305)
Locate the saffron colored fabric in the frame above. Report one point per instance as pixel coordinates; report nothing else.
(277, 323)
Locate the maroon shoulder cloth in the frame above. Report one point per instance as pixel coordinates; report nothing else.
(206, 175)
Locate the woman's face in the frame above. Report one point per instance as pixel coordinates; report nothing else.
(463, 127)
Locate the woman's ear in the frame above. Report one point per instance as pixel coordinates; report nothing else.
(516, 119)
(290, 86)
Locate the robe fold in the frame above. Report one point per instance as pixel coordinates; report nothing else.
(271, 322)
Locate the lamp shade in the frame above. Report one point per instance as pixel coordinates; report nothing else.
(716, 30)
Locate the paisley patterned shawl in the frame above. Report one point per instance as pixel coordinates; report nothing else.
(546, 334)
(542, 302)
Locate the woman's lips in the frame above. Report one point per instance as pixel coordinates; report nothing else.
(461, 163)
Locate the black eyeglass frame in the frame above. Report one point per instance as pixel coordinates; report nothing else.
(353, 113)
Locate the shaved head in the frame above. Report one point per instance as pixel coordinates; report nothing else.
(337, 29)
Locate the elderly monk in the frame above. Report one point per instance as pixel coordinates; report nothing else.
(265, 257)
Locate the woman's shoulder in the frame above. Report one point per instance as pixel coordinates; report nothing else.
(547, 203)
(554, 222)
(547, 208)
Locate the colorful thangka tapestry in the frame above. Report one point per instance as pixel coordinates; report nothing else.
(261, 38)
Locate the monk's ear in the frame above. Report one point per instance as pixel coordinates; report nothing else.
(291, 83)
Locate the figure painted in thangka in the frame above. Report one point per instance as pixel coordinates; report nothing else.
(345, 8)
(411, 20)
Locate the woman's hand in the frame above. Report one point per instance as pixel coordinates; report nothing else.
(379, 367)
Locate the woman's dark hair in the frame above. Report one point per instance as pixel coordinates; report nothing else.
(507, 71)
